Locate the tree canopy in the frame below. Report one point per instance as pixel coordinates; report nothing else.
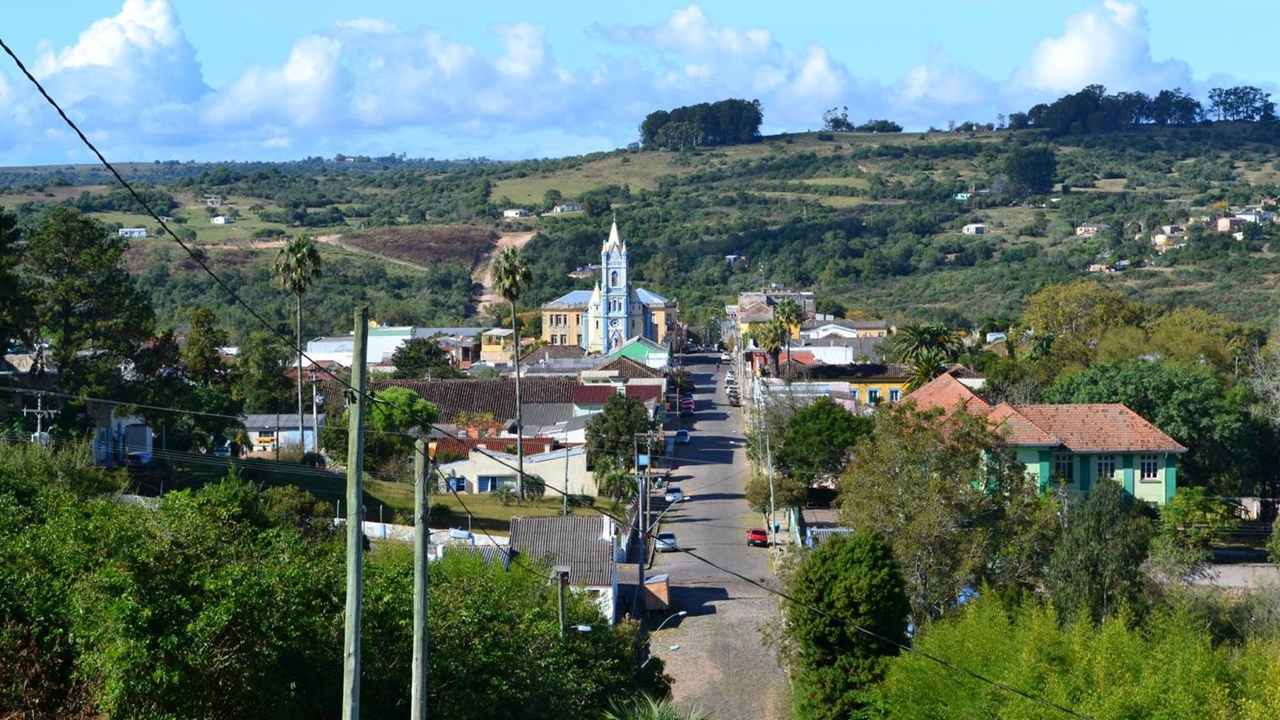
(726, 122)
(617, 429)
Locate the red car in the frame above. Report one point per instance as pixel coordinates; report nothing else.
(757, 537)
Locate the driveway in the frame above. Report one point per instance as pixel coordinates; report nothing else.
(721, 665)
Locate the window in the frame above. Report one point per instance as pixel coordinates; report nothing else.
(873, 395)
(1064, 468)
(853, 394)
(555, 339)
(895, 395)
(1106, 467)
(1150, 466)
(613, 279)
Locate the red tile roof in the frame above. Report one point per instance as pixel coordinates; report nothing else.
(1017, 429)
(479, 395)
(644, 393)
(593, 394)
(463, 446)
(948, 393)
(628, 368)
(1098, 427)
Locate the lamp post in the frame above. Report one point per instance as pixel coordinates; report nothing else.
(663, 624)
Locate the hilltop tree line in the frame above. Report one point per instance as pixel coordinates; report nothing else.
(1092, 110)
(726, 122)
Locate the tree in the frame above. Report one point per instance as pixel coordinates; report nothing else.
(200, 354)
(953, 501)
(924, 367)
(260, 380)
(297, 267)
(614, 479)
(836, 120)
(1032, 169)
(788, 312)
(1073, 318)
(390, 419)
(770, 337)
(1096, 568)
(84, 299)
(15, 302)
(909, 342)
(615, 431)
(419, 358)
(817, 438)
(511, 277)
(846, 584)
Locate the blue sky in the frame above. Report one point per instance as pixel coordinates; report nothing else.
(240, 80)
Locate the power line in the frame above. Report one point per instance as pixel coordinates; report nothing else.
(292, 343)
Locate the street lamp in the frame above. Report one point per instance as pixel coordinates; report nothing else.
(663, 624)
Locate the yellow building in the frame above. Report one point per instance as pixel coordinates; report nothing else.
(495, 346)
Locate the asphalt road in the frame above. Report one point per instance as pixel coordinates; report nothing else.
(721, 665)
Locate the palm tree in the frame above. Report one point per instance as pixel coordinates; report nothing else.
(770, 337)
(788, 312)
(909, 341)
(511, 277)
(297, 266)
(925, 366)
(614, 479)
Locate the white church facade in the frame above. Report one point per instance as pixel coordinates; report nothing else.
(603, 319)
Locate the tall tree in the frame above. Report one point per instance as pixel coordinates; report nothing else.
(909, 342)
(422, 357)
(1032, 169)
(1096, 568)
(297, 267)
(200, 352)
(511, 277)
(84, 298)
(817, 438)
(613, 432)
(770, 337)
(788, 312)
(261, 383)
(15, 302)
(847, 584)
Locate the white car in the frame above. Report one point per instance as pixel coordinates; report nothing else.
(682, 437)
(666, 542)
(725, 357)
(674, 495)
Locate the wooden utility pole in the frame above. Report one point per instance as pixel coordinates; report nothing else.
(355, 523)
(423, 454)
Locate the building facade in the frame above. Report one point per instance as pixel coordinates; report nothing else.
(605, 318)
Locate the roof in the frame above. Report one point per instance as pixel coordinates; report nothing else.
(644, 393)
(576, 297)
(1089, 428)
(498, 332)
(573, 540)
(478, 395)
(948, 393)
(553, 352)
(283, 421)
(628, 369)
(449, 331)
(755, 312)
(962, 372)
(463, 446)
(856, 372)
(593, 394)
(648, 297)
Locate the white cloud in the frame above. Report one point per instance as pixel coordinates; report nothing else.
(1110, 45)
(366, 84)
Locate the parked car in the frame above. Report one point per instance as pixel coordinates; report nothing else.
(725, 357)
(674, 494)
(137, 460)
(758, 537)
(666, 542)
(686, 410)
(735, 401)
(682, 437)
(730, 378)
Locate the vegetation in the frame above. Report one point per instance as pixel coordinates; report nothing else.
(727, 122)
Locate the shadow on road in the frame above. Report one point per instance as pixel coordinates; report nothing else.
(697, 600)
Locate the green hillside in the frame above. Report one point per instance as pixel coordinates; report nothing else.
(869, 221)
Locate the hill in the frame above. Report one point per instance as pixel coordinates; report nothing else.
(870, 221)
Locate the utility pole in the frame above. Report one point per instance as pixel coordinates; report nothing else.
(423, 454)
(768, 452)
(562, 579)
(641, 528)
(355, 523)
(564, 496)
(40, 414)
(315, 418)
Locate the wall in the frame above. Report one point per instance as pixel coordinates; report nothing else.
(548, 466)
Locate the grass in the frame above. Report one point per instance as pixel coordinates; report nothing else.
(392, 501)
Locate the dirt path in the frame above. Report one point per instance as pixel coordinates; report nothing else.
(483, 273)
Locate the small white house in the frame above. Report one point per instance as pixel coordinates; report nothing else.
(515, 213)
(586, 546)
(974, 229)
(133, 232)
(487, 471)
(212, 201)
(222, 220)
(566, 207)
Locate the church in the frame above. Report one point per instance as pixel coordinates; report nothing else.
(605, 318)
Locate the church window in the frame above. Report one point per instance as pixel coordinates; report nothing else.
(613, 278)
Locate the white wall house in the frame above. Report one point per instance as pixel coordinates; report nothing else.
(974, 229)
(565, 471)
(133, 232)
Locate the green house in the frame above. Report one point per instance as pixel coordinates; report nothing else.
(1072, 446)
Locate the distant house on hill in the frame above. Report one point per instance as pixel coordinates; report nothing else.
(222, 220)
(566, 208)
(515, 213)
(974, 229)
(1088, 230)
(133, 232)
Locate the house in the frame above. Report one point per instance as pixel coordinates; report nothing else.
(222, 219)
(515, 213)
(133, 232)
(962, 196)
(566, 208)
(591, 399)
(266, 431)
(212, 201)
(496, 346)
(1088, 230)
(1073, 447)
(544, 401)
(820, 329)
(602, 319)
(974, 229)
(757, 307)
(645, 352)
(115, 436)
(586, 544)
(1230, 224)
(485, 470)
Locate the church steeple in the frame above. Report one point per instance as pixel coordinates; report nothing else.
(614, 242)
(615, 300)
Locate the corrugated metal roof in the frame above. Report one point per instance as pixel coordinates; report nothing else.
(576, 541)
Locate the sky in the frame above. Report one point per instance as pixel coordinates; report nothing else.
(286, 79)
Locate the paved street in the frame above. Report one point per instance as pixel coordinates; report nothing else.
(721, 666)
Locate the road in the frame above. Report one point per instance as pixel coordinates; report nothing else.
(721, 665)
